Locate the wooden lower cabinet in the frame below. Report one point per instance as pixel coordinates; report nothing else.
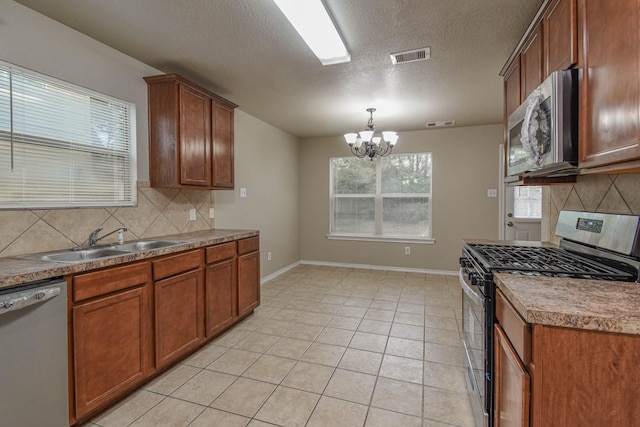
(248, 276)
(221, 288)
(577, 377)
(111, 337)
(131, 321)
(178, 316)
(512, 386)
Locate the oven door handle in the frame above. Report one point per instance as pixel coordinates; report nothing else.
(468, 290)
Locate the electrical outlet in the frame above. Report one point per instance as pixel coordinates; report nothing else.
(192, 214)
(269, 256)
(211, 213)
(407, 250)
(243, 192)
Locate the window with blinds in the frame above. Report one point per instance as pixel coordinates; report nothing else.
(62, 145)
(385, 199)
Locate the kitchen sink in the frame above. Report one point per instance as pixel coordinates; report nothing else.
(76, 255)
(146, 245)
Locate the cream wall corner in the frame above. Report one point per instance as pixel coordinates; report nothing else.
(267, 167)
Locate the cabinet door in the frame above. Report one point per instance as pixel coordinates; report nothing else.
(609, 92)
(560, 36)
(512, 385)
(178, 310)
(531, 62)
(220, 296)
(222, 146)
(195, 137)
(111, 344)
(512, 92)
(248, 282)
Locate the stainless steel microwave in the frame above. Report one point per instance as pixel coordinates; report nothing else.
(542, 134)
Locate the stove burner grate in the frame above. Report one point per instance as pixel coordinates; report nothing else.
(544, 261)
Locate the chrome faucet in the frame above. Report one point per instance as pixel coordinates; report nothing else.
(93, 238)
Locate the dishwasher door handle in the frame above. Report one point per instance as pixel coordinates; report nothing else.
(20, 300)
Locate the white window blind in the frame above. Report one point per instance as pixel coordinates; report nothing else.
(62, 145)
(527, 202)
(388, 198)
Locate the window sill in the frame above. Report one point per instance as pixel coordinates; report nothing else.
(390, 239)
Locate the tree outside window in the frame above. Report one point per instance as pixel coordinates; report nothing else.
(389, 197)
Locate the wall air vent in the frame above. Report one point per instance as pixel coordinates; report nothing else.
(445, 123)
(411, 55)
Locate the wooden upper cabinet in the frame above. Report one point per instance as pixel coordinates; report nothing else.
(512, 92)
(560, 35)
(609, 93)
(195, 137)
(190, 135)
(222, 146)
(531, 62)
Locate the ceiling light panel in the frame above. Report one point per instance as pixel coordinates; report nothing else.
(312, 21)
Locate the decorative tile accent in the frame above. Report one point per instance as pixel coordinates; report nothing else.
(591, 189)
(629, 187)
(613, 203)
(160, 211)
(618, 194)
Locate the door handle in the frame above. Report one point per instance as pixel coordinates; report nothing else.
(509, 224)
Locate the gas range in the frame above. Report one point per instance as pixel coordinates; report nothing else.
(593, 246)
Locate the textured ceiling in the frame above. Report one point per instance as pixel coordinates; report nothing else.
(246, 51)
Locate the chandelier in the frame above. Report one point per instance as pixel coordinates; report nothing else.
(365, 144)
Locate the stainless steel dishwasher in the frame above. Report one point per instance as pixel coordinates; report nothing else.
(33, 355)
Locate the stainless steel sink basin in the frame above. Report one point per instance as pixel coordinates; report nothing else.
(73, 256)
(146, 245)
(76, 256)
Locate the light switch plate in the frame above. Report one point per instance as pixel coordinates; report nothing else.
(243, 192)
(211, 213)
(192, 214)
(492, 192)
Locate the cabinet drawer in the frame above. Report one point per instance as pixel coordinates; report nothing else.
(102, 282)
(517, 330)
(176, 264)
(251, 244)
(220, 252)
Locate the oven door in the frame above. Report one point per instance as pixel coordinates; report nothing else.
(475, 343)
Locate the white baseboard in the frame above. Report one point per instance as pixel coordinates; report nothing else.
(279, 272)
(361, 266)
(380, 267)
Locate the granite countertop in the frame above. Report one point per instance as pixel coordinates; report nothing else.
(15, 272)
(574, 303)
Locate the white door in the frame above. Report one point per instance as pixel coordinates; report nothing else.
(523, 213)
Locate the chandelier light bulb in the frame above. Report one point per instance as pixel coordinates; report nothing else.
(367, 144)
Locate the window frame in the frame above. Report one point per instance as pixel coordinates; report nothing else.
(378, 197)
(122, 195)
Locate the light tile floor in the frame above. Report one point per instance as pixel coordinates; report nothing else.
(327, 347)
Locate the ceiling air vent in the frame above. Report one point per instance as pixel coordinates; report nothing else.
(441, 124)
(411, 55)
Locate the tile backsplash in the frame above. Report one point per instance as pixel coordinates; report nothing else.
(160, 211)
(619, 194)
